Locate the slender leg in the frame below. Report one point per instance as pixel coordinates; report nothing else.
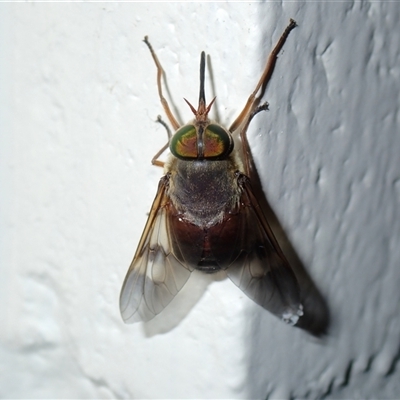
(160, 121)
(154, 160)
(261, 107)
(243, 137)
(264, 77)
(160, 73)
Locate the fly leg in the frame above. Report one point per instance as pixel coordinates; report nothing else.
(265, 77)
(243, 137)
(262, 107)
(160, 74)
(155, 160)
(251, 108)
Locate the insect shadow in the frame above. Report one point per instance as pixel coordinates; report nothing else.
(316, 317)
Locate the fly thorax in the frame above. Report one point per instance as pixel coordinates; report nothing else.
(204, 191)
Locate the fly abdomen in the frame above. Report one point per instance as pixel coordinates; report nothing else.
(206, 249)
(208, 262)
(208, 266)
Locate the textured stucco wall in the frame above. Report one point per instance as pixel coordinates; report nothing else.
(78, 104)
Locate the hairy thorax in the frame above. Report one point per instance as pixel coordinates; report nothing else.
(203, 191)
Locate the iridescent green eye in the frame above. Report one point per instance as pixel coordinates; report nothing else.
(190, 143)
(217, 142)
(184, 143)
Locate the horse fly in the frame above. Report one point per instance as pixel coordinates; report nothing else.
(205, 215)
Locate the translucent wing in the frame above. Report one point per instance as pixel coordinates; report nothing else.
(155, 275)
(261, 270)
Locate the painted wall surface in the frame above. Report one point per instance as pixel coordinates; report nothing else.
(77, 112)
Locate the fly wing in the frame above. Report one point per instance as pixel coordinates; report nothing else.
(155, 275)
(261, 269)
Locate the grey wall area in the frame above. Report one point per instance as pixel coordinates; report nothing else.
(78, 104)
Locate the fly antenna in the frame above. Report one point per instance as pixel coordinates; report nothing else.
(202, 96)
(202, 111)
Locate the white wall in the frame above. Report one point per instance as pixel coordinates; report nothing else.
(78, 104)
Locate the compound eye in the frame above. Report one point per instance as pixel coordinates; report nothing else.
(218, 142)
(184, 143)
